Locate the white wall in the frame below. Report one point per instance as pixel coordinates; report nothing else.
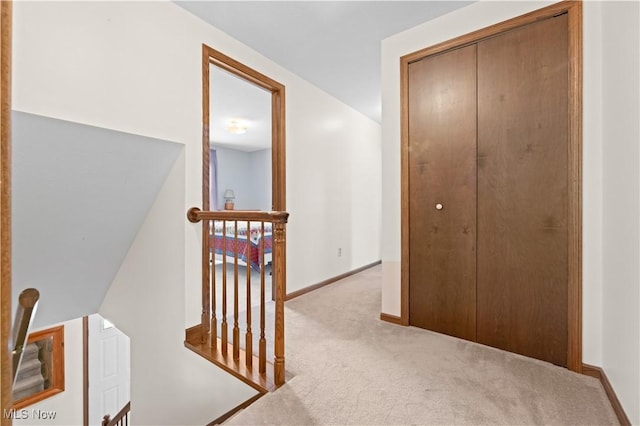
(621, 201)
(260, 164)
(333, 181)
(610, 252)
(592, 193)
(61, 168)
(248, 174)
(169, 384)
(67, 405)
(109, 64)
(234, 172)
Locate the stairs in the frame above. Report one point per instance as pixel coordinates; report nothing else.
(29, 379)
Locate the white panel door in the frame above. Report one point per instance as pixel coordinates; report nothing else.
(109, 369)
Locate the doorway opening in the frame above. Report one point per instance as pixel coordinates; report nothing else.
(232, 107)
(243, 222)
(109, 370)
(243, 135)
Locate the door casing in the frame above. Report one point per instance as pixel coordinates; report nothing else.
(5, 208)
(211, 56)
(574, 12)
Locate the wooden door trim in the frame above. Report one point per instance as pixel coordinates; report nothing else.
(278, 183)
(574, 191)
(5, 207)
(574, 11)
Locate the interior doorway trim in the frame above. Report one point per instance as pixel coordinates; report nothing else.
(5, 207)
(574, 11)
(278, 189)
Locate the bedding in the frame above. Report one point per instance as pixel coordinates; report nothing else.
(247, 247)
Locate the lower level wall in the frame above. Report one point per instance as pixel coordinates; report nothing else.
(170, 385)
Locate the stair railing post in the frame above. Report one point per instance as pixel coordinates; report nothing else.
(205, 318)
(279, 264)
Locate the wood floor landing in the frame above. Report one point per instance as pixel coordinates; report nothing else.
(263, 383)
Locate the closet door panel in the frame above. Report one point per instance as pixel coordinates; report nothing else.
(522, 190)
(442, 193)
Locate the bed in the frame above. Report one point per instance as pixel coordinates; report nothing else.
(247, 247)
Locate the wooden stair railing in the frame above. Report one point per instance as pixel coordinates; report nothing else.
(203, 338)
(27, 304)
(120, 419)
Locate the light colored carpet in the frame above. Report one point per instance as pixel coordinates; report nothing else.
(347, 367)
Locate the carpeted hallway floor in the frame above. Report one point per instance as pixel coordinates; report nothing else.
(347, 367)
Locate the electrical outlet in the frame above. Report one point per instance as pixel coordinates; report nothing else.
(339, 251)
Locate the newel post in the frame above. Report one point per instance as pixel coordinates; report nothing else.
(206, 320)
(279, 264)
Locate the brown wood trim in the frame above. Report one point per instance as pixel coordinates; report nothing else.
(236, 409)
(404, 192)
(57, 381)
(279, 278)
(326, 282)
(574, 11)
(393, 319)
(85, 370)
(278, 151)
(6, 400)
(206, 193)
(278, 129)
(120, 419)
(598, 373)
(192, 333)
(210, 57)
(261, 383)
(493, 30)
(574, 188)
(196, 215)
(206, 148)
(241, 70)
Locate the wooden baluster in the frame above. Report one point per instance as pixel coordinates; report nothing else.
(249, 335)
(262, 345)
(225, 330)
(236, 329)
(206, 290)
(279, 264)
(120, 419)
(212, 254)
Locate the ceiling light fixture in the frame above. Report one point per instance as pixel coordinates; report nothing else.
(236, 127)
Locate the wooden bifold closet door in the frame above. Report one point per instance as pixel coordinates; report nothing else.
(488, 173)
(442, 193)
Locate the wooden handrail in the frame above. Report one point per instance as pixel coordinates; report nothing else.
(122, 418)
(27, 304)
(195, 215)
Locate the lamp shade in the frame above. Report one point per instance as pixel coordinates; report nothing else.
(229, 194)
